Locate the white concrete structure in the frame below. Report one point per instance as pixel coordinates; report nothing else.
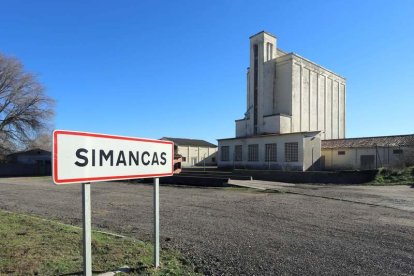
(292, 103)
(194, 152)
(296, 151)
(368, 152)
(287, 93)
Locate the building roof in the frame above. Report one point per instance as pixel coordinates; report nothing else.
(366, 142)
(189, 142)
(31, 152)
(264, 33)
(311, 133)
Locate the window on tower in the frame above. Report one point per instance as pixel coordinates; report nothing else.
(269, 51)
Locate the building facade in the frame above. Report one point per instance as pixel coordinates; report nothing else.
(297, 151)
(287, 93)
(368, 153)
(292, 103)
(194, 152)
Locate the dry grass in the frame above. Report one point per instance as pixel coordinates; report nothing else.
(33, 246)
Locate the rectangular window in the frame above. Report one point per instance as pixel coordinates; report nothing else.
(271, 153)
(253, 152)
(225, 153)
(341, 152)
(291, 152)
(238, 153)
(397, 151)
(184, 159)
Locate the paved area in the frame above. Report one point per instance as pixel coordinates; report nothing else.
(237, 231)
(399, 197)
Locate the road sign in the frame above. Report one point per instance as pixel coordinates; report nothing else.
(80, 157)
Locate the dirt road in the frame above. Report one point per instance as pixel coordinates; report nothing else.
(238, 232)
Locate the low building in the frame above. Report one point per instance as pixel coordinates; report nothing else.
(294, 151)
(30, 157)
(194, 152)
(366, 153)
(33, 162)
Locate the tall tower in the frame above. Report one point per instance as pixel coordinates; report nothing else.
(262, 49)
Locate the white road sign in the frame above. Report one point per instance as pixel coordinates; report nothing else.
(80, 157)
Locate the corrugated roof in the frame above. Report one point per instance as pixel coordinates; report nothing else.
(363, 142)
(189, 142)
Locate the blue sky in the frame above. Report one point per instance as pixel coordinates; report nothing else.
(178, 68)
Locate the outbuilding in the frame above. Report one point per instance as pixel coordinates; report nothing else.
(367, 153)
(194, 152)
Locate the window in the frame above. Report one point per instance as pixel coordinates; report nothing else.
(397, 151)
(184, 159)
(238, 153)
(341, 152)
(269, 51)
(291, 152)
(253, 152)
(271, 153)
(225, 155)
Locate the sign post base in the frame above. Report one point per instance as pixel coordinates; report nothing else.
(156, 222)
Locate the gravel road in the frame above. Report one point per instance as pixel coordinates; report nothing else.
(237, 232)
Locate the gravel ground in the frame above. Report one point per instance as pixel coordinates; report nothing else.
(237, 231)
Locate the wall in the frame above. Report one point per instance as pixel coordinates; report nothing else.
(280, 140)
(312, 153)
(352, 159)
(340, 177)
(200, 154)
(16, 169)
(30, 158)
(279, 124)
(318, 99)
(243, 128)
(265, 72)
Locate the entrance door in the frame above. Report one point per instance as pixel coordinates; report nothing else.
(193, 161)
(367, 162)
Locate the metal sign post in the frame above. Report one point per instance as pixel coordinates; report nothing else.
(156, 222)
(87, 239)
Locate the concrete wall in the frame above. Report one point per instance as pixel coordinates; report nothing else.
(288, 84)
(244, 128)
(312, 153)
(291, 85)
(318, 99)
(280, 163)
(197, 156)
(276, 124)
(351, 160)
(283, 86)
(265, 72)
(337, 177)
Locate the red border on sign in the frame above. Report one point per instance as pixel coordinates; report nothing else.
(105, 178)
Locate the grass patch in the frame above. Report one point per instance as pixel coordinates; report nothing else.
(403, 176)
(34, 246)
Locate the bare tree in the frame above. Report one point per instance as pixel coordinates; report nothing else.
(25, 109)
(43, 140)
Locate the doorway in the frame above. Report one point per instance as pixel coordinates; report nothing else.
(367, 162)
